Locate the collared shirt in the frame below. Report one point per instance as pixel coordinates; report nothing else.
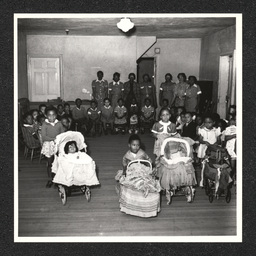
(161, 127)
(148, 111)
(93, 113)
(52, 123)
(140, 155)
(78, 113)
(120, 111)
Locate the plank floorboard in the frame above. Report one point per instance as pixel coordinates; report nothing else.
(41, 212)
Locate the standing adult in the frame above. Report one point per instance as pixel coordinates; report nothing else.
(192, 95)
(147, 90)
(167, 90)
(115, 89)
(180, 90)
(99, 89)
(131, 90)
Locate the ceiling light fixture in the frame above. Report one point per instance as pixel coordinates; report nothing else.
(125, 24)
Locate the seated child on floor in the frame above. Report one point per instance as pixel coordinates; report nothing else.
(120, 122)
(189, 128)
(66, 122)
(79, 117)
(165, 104)
(107, 116)
(147, 116)
(133, 117)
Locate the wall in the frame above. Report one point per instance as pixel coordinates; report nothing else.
(213, 46)
(176, 56)
(83, 56)
(22, 66)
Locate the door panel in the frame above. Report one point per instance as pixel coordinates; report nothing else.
(44, 78)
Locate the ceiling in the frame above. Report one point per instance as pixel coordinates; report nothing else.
(167, 27)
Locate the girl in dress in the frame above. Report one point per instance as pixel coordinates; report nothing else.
(107, 116)
(162, 130)
(50, 129)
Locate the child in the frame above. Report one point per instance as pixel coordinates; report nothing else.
(147, 115)
(133, 117)
(107, 117)
(115, 89)
(34, 113)
(94, 118)
(40, 121)
(189, 128)
(120, 117)
(230, 138)
(30, 131)
(50, 129)
(208, 136)
(66, 123)
(67, 110)
(134, 153)
(162, 130)
(42, 108)
(165, 104)
(79, 116)
(60, 111)
(181, 120)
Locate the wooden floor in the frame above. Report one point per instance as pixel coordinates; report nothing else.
(41, 212)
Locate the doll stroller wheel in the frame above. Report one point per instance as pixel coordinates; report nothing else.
(169, 195)
(228, 196)
(87, 194)
(62, 194)
(211, 198)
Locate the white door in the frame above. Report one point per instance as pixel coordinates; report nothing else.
(224, 85)
(44, 78)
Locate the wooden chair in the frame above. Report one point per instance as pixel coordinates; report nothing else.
(31, 144)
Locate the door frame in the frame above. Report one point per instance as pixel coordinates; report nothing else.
(59, 56)
(155, 64)
(230, 78)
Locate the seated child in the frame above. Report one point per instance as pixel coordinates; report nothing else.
(65, 122)
(133, 117)
(34, 113)
(189, 128)
(79, 116)
(173, 111)
(42, 108)
(147, 116)
(180, 119)
(60, 111)
(40, 121)
(107, 117)
(162, 130)
(30, 131)
(94, 119)
(120, 122)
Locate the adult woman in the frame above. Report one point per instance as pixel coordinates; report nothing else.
(131, 90)
(167, 90)
(115, 89)
(147, 90)
(180, 91)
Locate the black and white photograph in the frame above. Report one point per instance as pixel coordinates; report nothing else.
(128, 127)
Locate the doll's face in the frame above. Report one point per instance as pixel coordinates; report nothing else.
(72, 149)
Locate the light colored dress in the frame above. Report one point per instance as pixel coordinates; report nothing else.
(180, 93)
(210, 136)
(230, 146)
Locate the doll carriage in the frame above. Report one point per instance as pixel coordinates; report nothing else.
(215, 174)
(139, 190)
(175, 169)
(73, 170)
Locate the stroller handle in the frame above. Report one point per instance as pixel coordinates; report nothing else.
(140, 161)
(175, 140)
